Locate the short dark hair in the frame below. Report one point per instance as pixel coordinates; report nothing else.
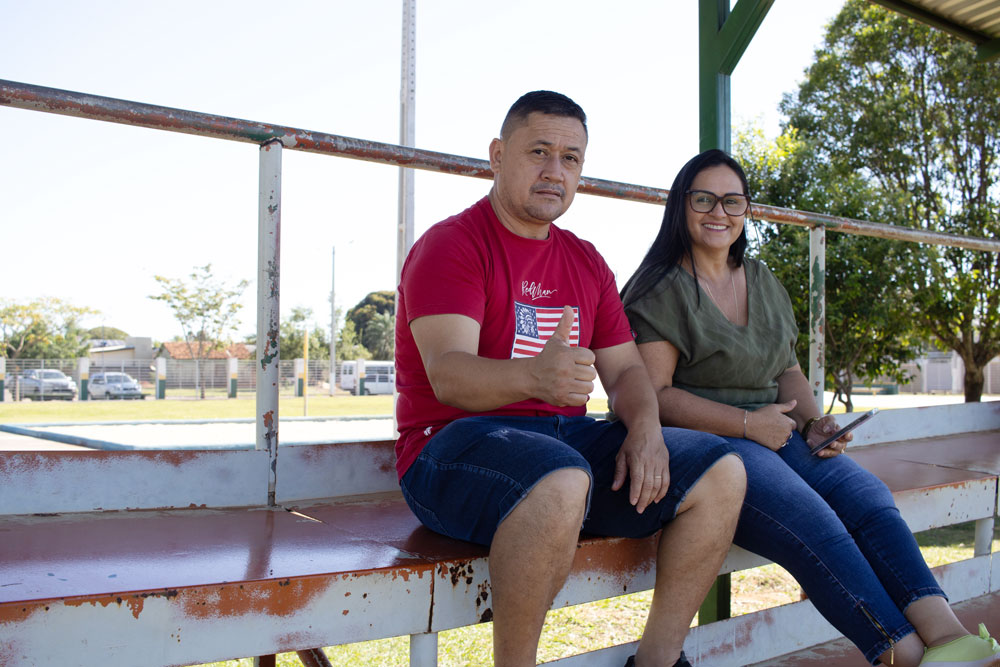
(673, 242)
(542, 101)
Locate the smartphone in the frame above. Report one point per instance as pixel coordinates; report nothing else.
(842, 432)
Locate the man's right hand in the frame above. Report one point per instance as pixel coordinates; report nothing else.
(563, 374)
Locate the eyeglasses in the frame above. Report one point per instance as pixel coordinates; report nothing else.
(703, 201)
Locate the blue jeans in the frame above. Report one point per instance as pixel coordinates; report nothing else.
(835, 528)
(476, 470)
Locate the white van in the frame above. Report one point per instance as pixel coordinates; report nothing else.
(380, 376)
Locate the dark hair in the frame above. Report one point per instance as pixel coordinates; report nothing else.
(673, 242)
(542, 101)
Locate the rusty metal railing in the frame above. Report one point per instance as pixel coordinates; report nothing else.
(272, 138)
(95, 107)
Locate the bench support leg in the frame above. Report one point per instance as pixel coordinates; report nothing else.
(265, 661)
(424, 650)
(314, 657)
(717, 603)
(984, 536)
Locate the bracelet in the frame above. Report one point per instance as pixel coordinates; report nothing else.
(809, 423)
(746, 413)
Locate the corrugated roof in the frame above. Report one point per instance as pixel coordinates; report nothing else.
(976, 21)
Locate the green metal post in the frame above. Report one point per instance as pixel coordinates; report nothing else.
(161, 378)
(723, 36)
(233, 365)
(84, 368)
(713, 86)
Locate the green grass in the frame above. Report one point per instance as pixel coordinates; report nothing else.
(182, 404)
(84, 411)
(215, 407)
(345, 405)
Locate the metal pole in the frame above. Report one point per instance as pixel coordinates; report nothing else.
(333, 321)
(984, 537)
(407, 125)
(423, 649)
(817, 313)
(268, 284)
(713, 86)
(305, 370)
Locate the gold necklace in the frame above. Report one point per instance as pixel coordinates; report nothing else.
(736, 302)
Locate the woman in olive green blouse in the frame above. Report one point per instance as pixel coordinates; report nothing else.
(717, 333)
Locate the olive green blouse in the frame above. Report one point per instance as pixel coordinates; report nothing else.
(719, 360)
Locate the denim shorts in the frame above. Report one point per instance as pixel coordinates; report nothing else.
(476, 470)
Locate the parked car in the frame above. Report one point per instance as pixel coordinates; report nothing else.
(46, 384)
(114, 385)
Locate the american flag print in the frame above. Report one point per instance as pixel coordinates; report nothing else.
(534, 325)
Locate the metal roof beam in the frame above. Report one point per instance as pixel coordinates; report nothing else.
(987, 48)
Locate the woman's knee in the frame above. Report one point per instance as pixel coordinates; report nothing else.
(726, 480)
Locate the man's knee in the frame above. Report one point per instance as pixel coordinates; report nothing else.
(567, 486)
(559, 496)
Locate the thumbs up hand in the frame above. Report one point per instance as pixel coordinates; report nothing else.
(564, 330)
(564, 375)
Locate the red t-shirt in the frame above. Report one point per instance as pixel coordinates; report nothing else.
(515, 288)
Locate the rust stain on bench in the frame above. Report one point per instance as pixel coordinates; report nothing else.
(614, 558)
(135, 602)
(461, 571)
(274, 598)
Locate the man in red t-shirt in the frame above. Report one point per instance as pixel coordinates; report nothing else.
(504, 321)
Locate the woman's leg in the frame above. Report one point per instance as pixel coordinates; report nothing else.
(785, 520)
(865, 506)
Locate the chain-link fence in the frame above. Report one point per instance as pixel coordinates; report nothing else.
(183, 375)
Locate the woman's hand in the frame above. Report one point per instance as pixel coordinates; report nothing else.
(770, 426)
(822, 429)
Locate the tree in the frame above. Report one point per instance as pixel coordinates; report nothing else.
(205, 308)
(868, 317)
(292, 335)
(46, 328)
(380, 336)
(908, 110)
(376, 312)
(106, 333)
(348, 347)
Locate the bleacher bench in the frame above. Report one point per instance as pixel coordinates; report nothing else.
(173, 558)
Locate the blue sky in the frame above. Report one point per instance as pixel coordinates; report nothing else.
(92, 211)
